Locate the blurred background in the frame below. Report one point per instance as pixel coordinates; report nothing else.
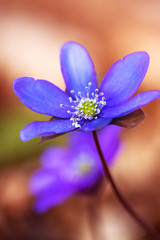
(31, 34)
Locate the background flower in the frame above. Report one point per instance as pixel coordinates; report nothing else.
(65, 171)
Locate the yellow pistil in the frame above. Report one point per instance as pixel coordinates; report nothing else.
(85, 168)
(89, 108)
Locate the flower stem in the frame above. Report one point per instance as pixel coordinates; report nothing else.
(155, 235)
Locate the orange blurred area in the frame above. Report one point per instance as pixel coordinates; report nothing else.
(32, 33)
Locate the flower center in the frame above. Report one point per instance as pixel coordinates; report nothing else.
(85, 108)
(89, 107)
(84, 163)
(85, 168)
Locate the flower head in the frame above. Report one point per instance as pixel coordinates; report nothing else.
(84, 106)
(76, 168)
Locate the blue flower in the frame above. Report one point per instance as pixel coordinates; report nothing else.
(84, 106)
(76, 168)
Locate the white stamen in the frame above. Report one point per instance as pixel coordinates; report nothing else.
(79, 93)
(70, 99)
(85, 108)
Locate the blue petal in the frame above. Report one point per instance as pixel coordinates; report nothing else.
(51, 183)
(77, 68)
(53, 196)
(109, 138)
(79, 140)
(124, 77)
(55, 158)
(45, 128)
(42, 96)
(131, 105)
(95, 124)
(66, 166)
(58, 178)
(42, 180)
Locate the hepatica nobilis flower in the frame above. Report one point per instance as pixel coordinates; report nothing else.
(76, 168)
(84, 105)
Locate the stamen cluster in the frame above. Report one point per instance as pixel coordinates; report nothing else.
(85, 108)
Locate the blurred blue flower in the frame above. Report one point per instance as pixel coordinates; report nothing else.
(76, 168)
(84, 106)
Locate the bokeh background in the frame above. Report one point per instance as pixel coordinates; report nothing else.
(31, 34)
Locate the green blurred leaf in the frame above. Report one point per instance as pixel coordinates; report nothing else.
(12, 149)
